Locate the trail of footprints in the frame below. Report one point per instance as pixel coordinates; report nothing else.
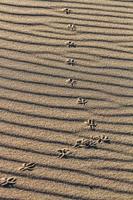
(91, 142)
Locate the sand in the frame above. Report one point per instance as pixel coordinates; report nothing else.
(39, 113)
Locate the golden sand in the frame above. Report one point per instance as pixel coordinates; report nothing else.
(62, 64)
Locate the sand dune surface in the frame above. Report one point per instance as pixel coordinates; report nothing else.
(63, 63)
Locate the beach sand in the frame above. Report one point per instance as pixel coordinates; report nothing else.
(39, 113)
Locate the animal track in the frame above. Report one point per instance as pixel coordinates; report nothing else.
(8, 182)
(100, 139)
(86, 143)
(63, 153)
(71, 61)
(91, 123)
(104, 138)
(67, 11)
(27, 166)
(71, 44)
(82, 101)
(71, 27)
(71, 82)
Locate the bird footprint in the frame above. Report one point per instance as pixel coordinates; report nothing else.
(27, 166)
(8, 182)
(63, 153)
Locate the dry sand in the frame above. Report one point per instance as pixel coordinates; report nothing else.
(38, 111)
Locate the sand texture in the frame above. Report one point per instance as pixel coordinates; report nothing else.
(51, 53)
